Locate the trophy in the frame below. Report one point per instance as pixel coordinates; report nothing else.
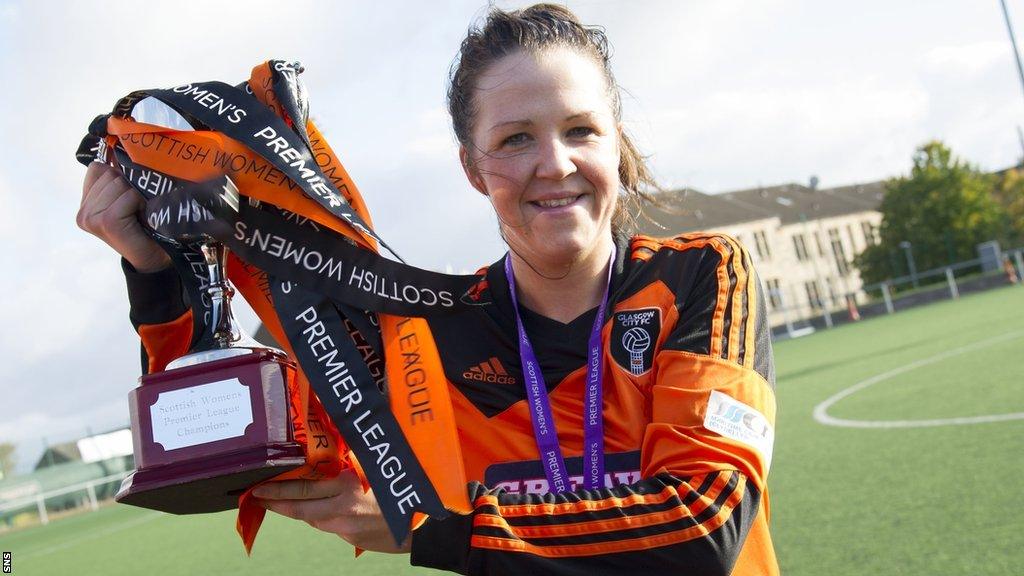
(217, 421)
(220, 420)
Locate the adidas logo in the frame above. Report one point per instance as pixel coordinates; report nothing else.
(490, 371)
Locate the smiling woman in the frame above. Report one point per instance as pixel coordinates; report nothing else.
(614, 396)
(545, 151)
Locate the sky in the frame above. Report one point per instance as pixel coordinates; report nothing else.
(722, 94)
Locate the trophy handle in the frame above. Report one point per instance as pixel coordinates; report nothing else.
(222, 322)
(228, 337)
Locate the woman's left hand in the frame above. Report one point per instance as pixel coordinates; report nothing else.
(337, 505)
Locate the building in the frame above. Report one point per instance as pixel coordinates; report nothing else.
(802, 239)
(116, 444)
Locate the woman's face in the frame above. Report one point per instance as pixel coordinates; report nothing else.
(545, 151)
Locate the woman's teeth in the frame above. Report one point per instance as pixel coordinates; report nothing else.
(556, 203)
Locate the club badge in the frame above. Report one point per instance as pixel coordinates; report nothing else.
(634, 333)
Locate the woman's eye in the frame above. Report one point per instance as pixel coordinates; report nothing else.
(515, 139)
(581, 131)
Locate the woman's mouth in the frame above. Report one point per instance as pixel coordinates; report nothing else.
(557, 202)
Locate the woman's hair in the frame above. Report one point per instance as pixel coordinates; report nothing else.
(534, 29)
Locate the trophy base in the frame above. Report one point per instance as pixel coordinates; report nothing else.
(207, 485)
(204, 433)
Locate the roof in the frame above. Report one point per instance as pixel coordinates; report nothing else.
(58, 454)
(796, 202)
(89, 449)
(687, 209)
(692, 210)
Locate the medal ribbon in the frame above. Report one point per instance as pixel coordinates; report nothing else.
(540, 406)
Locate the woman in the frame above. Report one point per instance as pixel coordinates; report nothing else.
(614, 397)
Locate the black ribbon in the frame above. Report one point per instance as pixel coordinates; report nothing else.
(330, 320)
(320, 259)
(339, 377)
(241, 117)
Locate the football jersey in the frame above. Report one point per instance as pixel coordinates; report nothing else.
(688, 419)
(688, 415)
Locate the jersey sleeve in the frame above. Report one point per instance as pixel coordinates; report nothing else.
(701, 505)
(160, 314)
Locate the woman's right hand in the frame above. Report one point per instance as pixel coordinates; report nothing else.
(109, 211)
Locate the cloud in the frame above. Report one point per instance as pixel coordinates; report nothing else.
(432, 138)
(968, 59)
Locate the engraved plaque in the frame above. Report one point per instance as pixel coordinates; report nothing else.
(201, 414)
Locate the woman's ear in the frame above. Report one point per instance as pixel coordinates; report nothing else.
(471, 173)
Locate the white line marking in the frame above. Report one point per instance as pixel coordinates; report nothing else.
(821, 410)
(68, 543)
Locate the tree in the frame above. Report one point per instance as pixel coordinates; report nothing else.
(1009, 193)
(944, 208)
(7, 459)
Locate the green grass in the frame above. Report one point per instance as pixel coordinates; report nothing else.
(120, 540)
(930, 501)
(941, 500)
(945, 389)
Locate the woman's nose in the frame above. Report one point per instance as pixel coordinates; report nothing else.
(556, 160)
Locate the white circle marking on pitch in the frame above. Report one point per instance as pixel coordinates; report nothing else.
(821, 410)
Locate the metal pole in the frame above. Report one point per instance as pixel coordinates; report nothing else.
(92, 496)
(888, 298)
(824, 308)
(1016, 56)
(41, 505)
(1020, 266)
(1013, 42)
(908, 251)
(801, 313)
(785, 313)
(954, 293)
(1020, 138)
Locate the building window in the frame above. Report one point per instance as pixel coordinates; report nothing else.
(831, 283)
(800, 244)
(774, 293)
(817, 243)
(761, 244)
(853, 241)
(838, 251)
(870, 231)
(813, 295)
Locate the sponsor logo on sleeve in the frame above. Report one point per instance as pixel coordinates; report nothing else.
(734, 419)
(634, 333)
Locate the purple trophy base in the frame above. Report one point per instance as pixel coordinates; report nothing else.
(203, 434)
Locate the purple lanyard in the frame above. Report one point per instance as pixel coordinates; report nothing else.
(540, 407)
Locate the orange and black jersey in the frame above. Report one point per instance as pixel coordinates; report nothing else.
(688, 420)
(688, 413)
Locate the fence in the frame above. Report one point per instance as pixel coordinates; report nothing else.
(86, 494)
(794, 316)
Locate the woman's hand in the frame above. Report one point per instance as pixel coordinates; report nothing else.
(109, 211)
(337, 505)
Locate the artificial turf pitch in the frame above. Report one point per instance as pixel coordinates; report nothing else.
(935, 500)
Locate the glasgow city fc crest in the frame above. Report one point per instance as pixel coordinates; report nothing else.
(634, 334)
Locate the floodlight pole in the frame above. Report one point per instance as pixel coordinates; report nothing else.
(908, 252)
(1016, 54)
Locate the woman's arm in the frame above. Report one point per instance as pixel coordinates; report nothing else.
(109, 210)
